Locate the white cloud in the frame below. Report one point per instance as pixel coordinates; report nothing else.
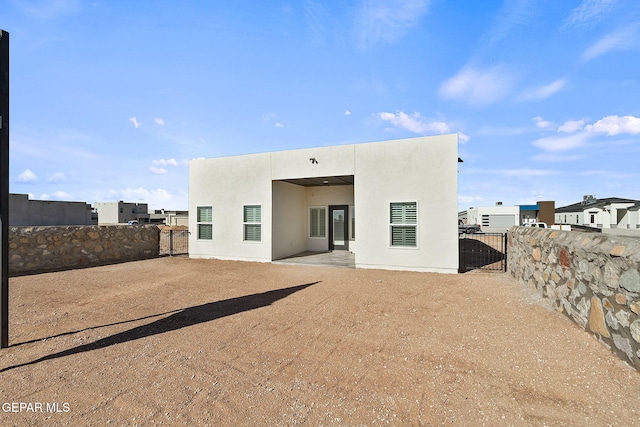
(56, 177)
(387, 21)
(50, 9)
(523, 172)
(159, 122)
(414, 123)
(614, 125)
(347, 113)
(501, 131)
(27, 176)
(562, 143)
(588, 12)
(623, 38)
(470, 200)
(463, 137)
(156, 198)
(165, 162)
(58, 195)
(158, 171)
(542, 123)
(543, 92)
(479, 87)
(268, 116)
(554, 157)
(279, 125)
(134, 121)
(571, 126)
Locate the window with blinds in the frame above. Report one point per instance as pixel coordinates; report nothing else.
(403, 224)
(204, 220)
(252, 222)
(317, 221)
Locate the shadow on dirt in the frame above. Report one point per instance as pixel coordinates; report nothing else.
(181, 319)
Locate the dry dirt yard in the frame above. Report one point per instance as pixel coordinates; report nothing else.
(176, 341)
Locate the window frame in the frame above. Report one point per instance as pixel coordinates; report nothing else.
(246, 224)
(404, 224)
(324, 225)
(200, 222)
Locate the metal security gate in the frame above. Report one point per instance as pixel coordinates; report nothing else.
(483, 251)
(174, 242)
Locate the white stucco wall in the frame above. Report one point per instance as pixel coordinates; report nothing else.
(332, 161)
(227, 184)
(289, 219)
(423, 170)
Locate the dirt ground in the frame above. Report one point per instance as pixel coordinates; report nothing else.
(176, 341)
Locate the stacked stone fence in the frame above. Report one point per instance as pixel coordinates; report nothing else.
(594, 279)
(43, 249)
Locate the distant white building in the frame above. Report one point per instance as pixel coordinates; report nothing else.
(121, 212)
(392, 203)
(494, 219)
(611, 212)
(500, 218)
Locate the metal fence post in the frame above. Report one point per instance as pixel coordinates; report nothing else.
(4, 188)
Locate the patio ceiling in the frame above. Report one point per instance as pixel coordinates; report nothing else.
(321, 181)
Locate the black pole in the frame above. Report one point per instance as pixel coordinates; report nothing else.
(4, 188)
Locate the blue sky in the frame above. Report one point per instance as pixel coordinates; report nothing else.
(110, 99)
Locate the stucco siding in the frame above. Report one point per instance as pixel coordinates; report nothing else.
(289, 219)
(227, 184)
(423, 170)
(338, 160)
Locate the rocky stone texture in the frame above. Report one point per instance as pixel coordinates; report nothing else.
(43, 249)
(592, 278)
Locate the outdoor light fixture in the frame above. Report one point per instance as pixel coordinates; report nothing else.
(313, 160)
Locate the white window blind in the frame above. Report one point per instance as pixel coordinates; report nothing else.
(204, 219)
(252, 219)
(403, 219)
(317, 222)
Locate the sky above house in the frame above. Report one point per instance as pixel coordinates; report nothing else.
(110, 99)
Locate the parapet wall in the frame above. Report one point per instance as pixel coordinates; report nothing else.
(592, 278)
(43, 249)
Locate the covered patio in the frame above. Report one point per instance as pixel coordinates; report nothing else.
(343, 259)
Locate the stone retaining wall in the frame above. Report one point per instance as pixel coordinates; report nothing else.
(42, 249)
(592, 278)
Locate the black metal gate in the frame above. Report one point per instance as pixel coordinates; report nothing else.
(484, 251)
(174, 242)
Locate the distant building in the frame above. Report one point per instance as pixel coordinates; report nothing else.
(121, 212)
(612, 212)
(499, 218)
(25, 212)
(162, 216)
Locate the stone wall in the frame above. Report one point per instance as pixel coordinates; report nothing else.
(42, 249)
(592, 278)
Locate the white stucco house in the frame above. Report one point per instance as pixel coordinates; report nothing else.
(392, 203)
(608, 213)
